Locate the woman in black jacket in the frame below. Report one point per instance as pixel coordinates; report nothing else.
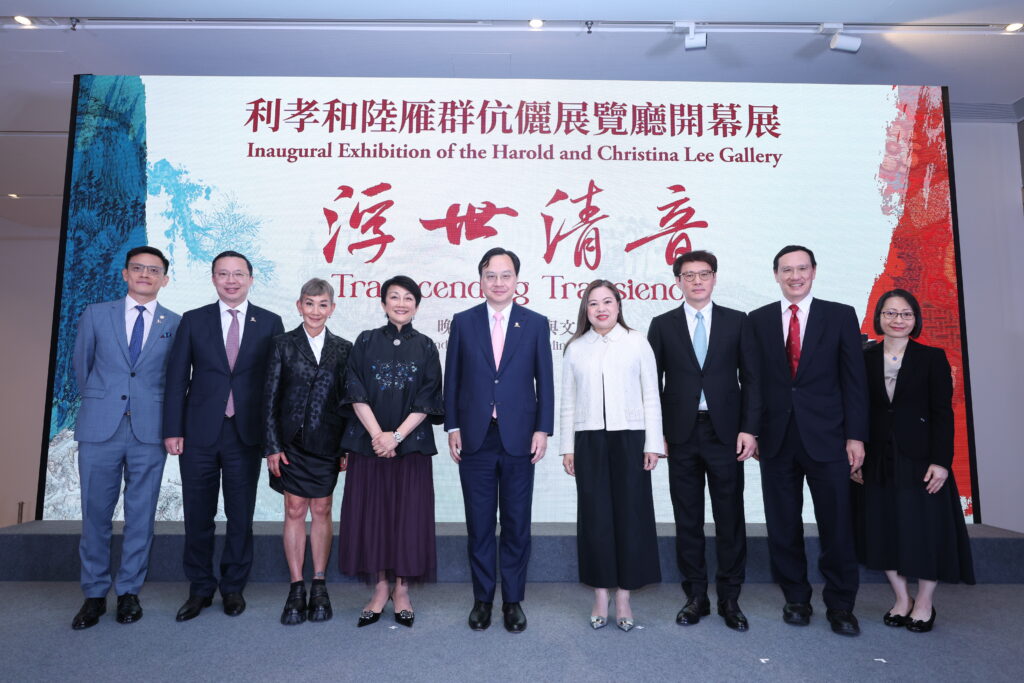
(913, 523)
(304, 424)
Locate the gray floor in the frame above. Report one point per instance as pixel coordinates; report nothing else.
(976, 637)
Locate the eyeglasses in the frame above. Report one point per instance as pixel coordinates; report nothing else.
(142, 268)
(799, 270)
(690, 275)
(892, 315)
(224, 274)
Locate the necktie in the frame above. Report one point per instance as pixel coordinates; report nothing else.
(793, 340)
(700, 346)
(231, 347)
(497, 344)
(135, 343)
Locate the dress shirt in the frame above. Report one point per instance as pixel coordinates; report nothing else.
(801, 314)
(504, 319)
(316, 343)
(131, 314)
(610, 382)
(225, 320)
(691, 325)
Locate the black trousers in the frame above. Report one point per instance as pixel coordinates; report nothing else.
(616, 540)
(704, 456)
(202, 472)
(782, 483)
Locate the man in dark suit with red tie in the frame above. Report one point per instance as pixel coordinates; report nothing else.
(814, 424)
(711, 403)
(213, 419)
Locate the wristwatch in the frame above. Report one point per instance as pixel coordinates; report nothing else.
(398, 436)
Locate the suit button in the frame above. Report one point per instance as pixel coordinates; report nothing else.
(495, 381)
(891, 411)
(133, 374)
(794, 388)
(124, 398)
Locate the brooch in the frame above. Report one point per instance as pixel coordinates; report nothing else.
(397, 342)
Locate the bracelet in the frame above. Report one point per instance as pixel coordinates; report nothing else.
(398, 436)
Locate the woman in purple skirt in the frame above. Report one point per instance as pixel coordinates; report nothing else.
(387, 514)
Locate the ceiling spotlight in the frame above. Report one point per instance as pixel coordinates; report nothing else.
(536, 23)
(692, 40)
(1014, 27)
(844, 43)
(24, 21)
(12, 195)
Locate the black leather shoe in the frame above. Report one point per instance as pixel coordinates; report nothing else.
(898, 620)
(294, 611)
(696, 607)
(193, 606)
(515, 619)
(734, 618)
(918, 626)
(128, 608)
(90, 613)
(480, 615)
(234, 604)
(319, 603)
(843, 622)
(797, 613)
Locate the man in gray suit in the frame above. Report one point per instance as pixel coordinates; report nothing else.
(120, 361)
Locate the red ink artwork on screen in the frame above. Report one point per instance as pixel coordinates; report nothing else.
(588, 241)
(473, 223)
(368, 221)
(678, 218)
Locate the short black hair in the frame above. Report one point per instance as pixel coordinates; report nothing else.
(914, 306)
(230, 254)
(497, 251)
(152, 251)
(789, 249)
(405, 282)
(692, 257)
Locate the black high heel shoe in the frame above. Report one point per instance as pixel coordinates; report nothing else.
(918, 626)
(405, 617)
(366, 617)
(898, 620)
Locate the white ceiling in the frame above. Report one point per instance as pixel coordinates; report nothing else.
(984, 70)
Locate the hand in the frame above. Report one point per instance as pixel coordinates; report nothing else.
(538, 445)
(174, 445)
(855, 454)
(858, 477)
(384, 442)
(569, 463)
(274, 461)
(746, 446)
(935, 477)
(343, 463)
(757, 452)
(650, 461)
(455, 445)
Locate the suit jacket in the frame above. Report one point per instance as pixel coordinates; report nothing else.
(920, 415)
(303, 394)
(730, 378)
(828, 397)
(107, 382)
(522, 389)
(199, 379)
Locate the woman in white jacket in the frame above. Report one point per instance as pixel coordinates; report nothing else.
(611, 437)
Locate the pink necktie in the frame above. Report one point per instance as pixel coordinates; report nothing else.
(497, 344)
(231, 347)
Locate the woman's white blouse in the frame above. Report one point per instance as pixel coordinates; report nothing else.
(610, 382)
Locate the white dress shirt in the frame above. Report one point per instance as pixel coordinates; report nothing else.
(131, 314)
(504, 319)
(691, 325)
(225, 319)
(803, 308)
(610, 382)
(316, 343)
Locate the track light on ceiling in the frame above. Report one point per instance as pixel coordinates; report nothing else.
(536, 23)
(24, 21)
(692, 40)
(839, 41)
(1014, 27)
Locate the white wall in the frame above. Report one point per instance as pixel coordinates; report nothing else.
(27, 273)
(987, 169)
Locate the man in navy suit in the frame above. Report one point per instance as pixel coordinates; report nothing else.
(711, 403)
(499, 411)
(212, 419)
(814, 424)
(120, 360)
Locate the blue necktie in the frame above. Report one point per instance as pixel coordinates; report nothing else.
(135, 343)
(700, 344)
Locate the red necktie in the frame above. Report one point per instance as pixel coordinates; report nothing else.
(793, 340)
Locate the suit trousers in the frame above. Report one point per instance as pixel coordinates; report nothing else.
(494, 480)
(101, 468)
(702, 456)
(616, 538)
(233, 465)
(782, 478)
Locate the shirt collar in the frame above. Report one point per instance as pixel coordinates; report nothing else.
(130, 304)
(691, 312)
(491, 311)
(242, 308)
(804, 305)
(614, 334)
(391, 330)
(318, 340)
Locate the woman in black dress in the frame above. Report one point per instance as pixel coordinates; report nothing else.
(913, 524)
(302, 401)
(387, 513)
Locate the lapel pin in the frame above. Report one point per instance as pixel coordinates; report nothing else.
(252, 319)
(516, 325)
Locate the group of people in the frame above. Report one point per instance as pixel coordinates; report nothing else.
(708, 387)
